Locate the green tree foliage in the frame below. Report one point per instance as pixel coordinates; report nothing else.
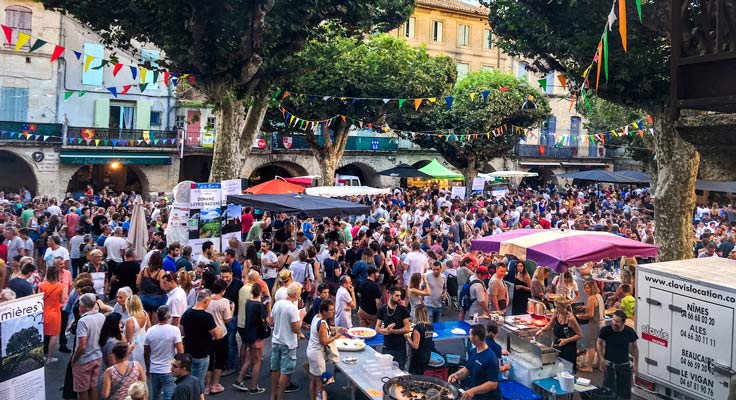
(378, 67)
(474, 140)
(604, 115)
(23, 341)
(230, 46)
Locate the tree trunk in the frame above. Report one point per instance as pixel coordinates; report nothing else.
(674, 189)
(226, 159)
(469, 174)
(329, 153)
(252, 125)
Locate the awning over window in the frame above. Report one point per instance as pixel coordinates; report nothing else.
(88, 157)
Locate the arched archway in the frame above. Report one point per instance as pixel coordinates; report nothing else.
(366, 173)
(118, 177)
(17, 173)
(268, 171)
(543, 176)
(195, 168)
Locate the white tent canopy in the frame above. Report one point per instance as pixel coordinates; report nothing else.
(345, 191)
(507, 174)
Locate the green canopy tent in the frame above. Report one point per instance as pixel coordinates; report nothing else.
(439, 171)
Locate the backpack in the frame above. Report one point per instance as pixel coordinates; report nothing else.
(464, 299)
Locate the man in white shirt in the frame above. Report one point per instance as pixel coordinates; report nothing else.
(54, 209)
(269, 265)
(177, 298)
(344, 303)
(115, 247)
(414, 262)
(163, 342)
(287, 325)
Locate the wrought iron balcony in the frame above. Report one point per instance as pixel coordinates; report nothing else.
(30, 132)
(558, 152)
(120, 138)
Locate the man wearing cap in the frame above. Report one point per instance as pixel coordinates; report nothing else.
(478, 293)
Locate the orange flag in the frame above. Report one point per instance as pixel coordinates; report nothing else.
(572, 103)
(563, 80)
(417, 103)
(600, 61)
(622, 21)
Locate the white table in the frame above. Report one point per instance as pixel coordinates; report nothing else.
(365, 374)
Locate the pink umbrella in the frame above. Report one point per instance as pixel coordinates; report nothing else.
(560, 249)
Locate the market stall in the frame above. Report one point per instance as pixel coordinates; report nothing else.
(346, 191)
(439, 174)
(275, 186)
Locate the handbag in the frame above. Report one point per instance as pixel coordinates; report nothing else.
(263, 331)
(331, 352)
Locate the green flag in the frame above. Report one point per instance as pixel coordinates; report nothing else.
(401, 103)
(67, 95)
(638, 8)
(542, 83)
(37, 45)
(605, 51)
(142, 87)
(82, 93)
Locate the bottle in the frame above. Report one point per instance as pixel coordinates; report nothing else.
(475, 318)
(553, 393)
(504, 361)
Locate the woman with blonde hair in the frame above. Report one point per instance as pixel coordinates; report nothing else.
(420, 341)
(538, 287)
(185, 282)
(137, 391)
(418, 288)
(594, 312)
(566, 331)
(135, 328)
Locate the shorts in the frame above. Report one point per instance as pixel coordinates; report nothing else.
(218, 355)
(85, 375)
(152, 303)
(317, 363)
(283, 359)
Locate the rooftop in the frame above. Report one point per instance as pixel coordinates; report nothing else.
(454, 5)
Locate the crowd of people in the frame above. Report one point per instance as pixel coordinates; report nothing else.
(180, 323)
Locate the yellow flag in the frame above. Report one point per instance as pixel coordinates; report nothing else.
(87, 62)
(472, 97)
(23, 38)
(432, 99)
(585, 74)
(144, 72)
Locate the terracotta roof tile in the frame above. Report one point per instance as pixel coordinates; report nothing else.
(454, 5)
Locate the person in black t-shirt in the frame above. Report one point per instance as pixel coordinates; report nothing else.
(614, 343)
(199, 331)
(370, 299)
(393, 322)
(126, 273)
(420, 341)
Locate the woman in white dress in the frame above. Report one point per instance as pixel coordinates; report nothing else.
(135, 329)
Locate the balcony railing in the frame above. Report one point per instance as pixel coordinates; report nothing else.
(354, 143)
(106, 137)
(30, 132)
(561, 152)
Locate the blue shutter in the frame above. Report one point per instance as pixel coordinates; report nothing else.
(14, 104)
(92, 76)
(151, 56)
(550, 89)
(575, 126)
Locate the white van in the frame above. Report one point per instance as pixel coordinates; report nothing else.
(347, 180)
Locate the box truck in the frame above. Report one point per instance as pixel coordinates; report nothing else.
(685, 321)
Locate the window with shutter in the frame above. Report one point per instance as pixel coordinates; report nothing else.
(14, 104)
(20, 19)
(150, 57)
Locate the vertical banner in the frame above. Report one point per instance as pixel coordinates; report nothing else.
(21, 344)
(205, 202)
(177, 228)
(230, 212)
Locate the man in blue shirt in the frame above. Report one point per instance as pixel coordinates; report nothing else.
(236, 267)
(482, 368)
(171, 255)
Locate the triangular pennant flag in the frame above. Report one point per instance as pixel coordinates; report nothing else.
(401, 103)
(504, 89)
(23, 38)
(87, 61)
(192, 79)
(638, 8)
(102, 64)
(139, 141)
(587, 71)
(472, 96)
(651, 131)
(142, 87)
(572, 103)
(113, 90)
(283, 111)
(116, 68)
(626, 130)
(612, 16)
(622, 22)
(133, 71)
(8, 31)
(58, 51)
(80, 140)
(448, 100)
(605, 53)
(166, 78)
(144, 73)
(155, 76)
(563, 80)
(123, 142)
(542, 83)
(326, 98)
(126, 88)
(385, 101)
(82, 93)
(164, 141)
(485, 94)
(114, 142)
(35, 137)
(585, 99)
(37, 45)
(600, 61)
(97, 142)
(649, 119)
(641, 132)
(71, 140)
(432, 100)
(155, 141)
(77, 54)
(105, 142)
(417, 103)
(291, 119)
(67, 95)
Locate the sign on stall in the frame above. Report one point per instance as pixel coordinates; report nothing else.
(205, 212)
(498, 192)
(479, 184)
(21, 344)
(458, 191)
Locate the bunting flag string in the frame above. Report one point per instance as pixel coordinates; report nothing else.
(24, 38)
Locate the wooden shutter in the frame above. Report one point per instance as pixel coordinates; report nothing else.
(93, 76)
(102, 113)
(143, 115)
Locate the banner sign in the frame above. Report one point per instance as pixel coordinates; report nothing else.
(479, 184)
(458, 191)
(205, 208)
(21, 349)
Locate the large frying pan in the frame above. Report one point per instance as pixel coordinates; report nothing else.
(393, 387)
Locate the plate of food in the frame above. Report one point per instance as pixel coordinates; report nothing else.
(362, 333)
(344, 344)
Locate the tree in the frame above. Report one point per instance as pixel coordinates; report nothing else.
(349, 67)
(564, 36)
(604, 115)
(482, 128)
(229, 46)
